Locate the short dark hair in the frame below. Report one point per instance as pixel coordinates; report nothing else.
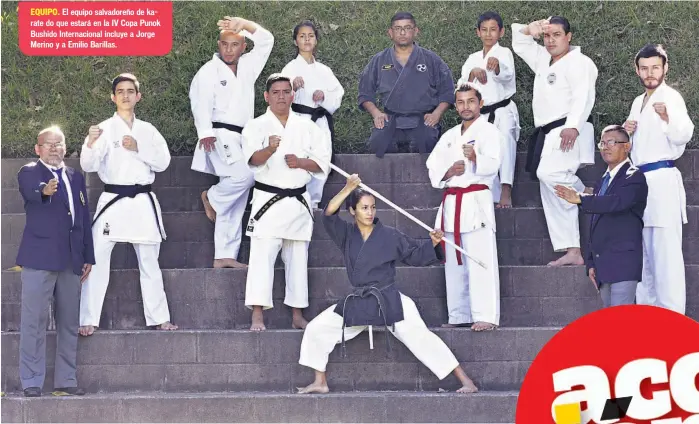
(276, 77)
(464, 86)
(618, 129)
(354, 197)
(126, 77)
(651, 50)
(560, 20)
(489, 16)
(400, 16)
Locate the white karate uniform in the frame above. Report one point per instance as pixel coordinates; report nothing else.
(663, 280)
(473, 293)
(325, 331)
(287, 224)
(316, 76)
(219, 95)
(129, 220)
(564, 89)
(498, 88)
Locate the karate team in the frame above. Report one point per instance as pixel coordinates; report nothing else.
(283, 157)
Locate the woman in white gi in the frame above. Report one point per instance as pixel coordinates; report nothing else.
(317, 92)
(371, 251)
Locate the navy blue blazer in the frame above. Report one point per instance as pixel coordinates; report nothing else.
(615, 249)
(51, 241)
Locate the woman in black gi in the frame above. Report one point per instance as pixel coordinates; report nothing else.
(371, 251)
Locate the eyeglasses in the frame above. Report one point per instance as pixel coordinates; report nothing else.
(56, 146)
(401, 29)
(610, 143)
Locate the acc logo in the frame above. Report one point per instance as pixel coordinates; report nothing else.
(625, 364)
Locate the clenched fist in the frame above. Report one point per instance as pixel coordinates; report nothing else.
(480, 75)
(129, 143)
(93, 134)
(274, 141)
(661, 110)
(630, 126)
(297, 83)
(458, 168)
(207, 143)
(292, 161)
(50, 188)
(493, 65)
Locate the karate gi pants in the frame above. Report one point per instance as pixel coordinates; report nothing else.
(473, 292)
(315, 189)
(556, 168)
(325, 331)
(155, 305)
(260, 279)
(663, 279)
(507, 121)
(229, 198)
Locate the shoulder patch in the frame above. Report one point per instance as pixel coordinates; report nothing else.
(28, 166)
(387, 67)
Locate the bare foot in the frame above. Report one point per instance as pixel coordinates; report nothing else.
(167, 326)
(505, 197)
(456, 325)
(258, 322)
(483, 326)
(86, 330)
(468, 388)
(228, 263)
(208, 209)
(572, 257)
(314, 388)
(298, 322)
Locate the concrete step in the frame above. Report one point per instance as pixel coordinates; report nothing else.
(402, 178)
(355, 407)
(214, 298)
(521, 233)
(207, 360)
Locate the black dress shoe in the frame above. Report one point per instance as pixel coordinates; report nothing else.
(32, 392)
(68, 391)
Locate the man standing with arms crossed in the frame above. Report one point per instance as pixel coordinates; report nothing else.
(222, 96)
(660, 129)
(564, 94)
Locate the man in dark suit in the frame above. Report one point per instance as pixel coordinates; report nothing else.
(615, 254)
(56, 256)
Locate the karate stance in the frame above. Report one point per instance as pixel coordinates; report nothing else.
(126, 153)
(464, 163)
(564, 94)
(277, 147)
(317, 92)
(660, 129)
(415, 87)
(222, 96)
(492, 71)
(371, 251)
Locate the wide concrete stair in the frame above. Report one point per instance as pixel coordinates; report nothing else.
(214, 370)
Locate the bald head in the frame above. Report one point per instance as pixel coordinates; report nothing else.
(231, 46)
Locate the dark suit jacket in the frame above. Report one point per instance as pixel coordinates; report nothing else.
(51, 241)
(616, 236)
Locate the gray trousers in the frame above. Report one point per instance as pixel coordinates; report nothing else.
(621, 293)
(37, 288)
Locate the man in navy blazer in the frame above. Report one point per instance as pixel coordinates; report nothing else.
(56, 255)
(614, 260)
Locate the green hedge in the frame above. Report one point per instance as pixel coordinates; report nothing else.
(73, 92)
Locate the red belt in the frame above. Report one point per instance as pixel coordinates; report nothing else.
(459, 193)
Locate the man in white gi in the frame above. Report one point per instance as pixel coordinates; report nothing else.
(126, 153)
(564, 94)
(492, 72)
(660, 129)
(281, 148)
(222, 96)
(464, 163)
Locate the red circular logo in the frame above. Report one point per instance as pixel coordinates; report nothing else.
(625, 364)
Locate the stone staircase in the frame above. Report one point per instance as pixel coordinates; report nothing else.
(214, 370)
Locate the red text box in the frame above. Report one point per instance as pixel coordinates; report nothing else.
(111, 28)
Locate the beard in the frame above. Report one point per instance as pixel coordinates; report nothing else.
(467, 118)
(654, 85)
(233, 62)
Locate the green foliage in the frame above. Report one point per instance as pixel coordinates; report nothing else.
(73, 92)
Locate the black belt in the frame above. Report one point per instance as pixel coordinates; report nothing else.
(492, 108)
(536, 144)
(316, 113)
(280, 193)
(390, 112)
(229, 127)
(364, 292)
(131, 191)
